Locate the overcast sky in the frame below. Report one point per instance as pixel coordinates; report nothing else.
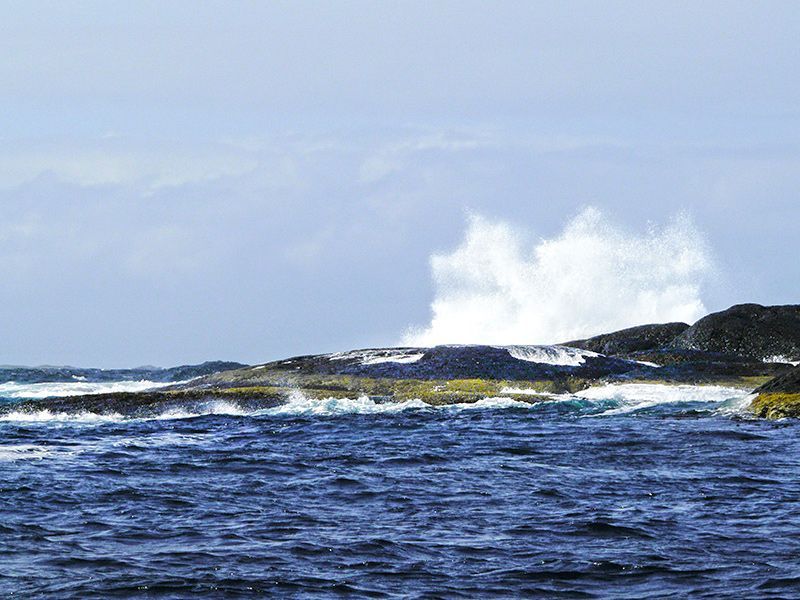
(184, 181)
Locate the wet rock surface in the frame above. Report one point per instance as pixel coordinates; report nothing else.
(789, 383)
(780, 397)
(752, 330)
(633, 339)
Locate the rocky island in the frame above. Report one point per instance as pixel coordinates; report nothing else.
(748, 346)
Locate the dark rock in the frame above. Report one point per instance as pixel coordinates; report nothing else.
(455, 362)
(53, 374)
(788, 383)
(633, 339)
(190, 371)
(751, 330)
(143, 404)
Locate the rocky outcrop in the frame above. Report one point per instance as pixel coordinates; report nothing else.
(185, 372)
(779, 397)
(634, 339)
(751, 330)
(743, 347)
(514, 363)
(65, 373)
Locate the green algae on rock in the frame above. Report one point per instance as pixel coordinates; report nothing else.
(779, 397)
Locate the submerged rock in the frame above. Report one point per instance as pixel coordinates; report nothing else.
(767, 333)
(779, 397)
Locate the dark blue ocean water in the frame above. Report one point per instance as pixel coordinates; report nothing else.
(564, 499)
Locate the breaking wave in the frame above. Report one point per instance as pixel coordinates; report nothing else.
(214, 407)
(607, 400)
(631, 397)
(594, 277)
(300, 405)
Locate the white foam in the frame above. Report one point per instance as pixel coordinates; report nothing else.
(736, 406)
(20, 391)
(636, 396)
(551, 355)
(491, 403)
(300, 405)
(781, 359)
(46, 416)
(12, 452)
(594, 277)
(216, 407)
(374, 357)
(624, 398)
(158, 439)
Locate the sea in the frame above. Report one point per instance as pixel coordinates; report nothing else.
(621, 491)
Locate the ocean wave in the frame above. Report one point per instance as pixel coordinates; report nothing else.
(490, 403)
(34, 391)
(736, 407)
(12, 452)
(46, 416)
(216, 407)
(607, 400)
(631, 397)
(301, 405)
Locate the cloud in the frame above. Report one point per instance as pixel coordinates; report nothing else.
(397, 155)
(105, 161)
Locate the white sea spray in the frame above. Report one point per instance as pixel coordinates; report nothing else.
(594, 277)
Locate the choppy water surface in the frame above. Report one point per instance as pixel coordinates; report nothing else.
(625, 493)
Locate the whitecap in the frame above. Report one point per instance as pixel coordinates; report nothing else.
(46, 416)
(736, 407)
(301, 405)
(490, 403)
(84, 417)
(12, 452)
(631, 397)
(217, 407)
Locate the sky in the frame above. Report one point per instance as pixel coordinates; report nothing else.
(246, 181)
